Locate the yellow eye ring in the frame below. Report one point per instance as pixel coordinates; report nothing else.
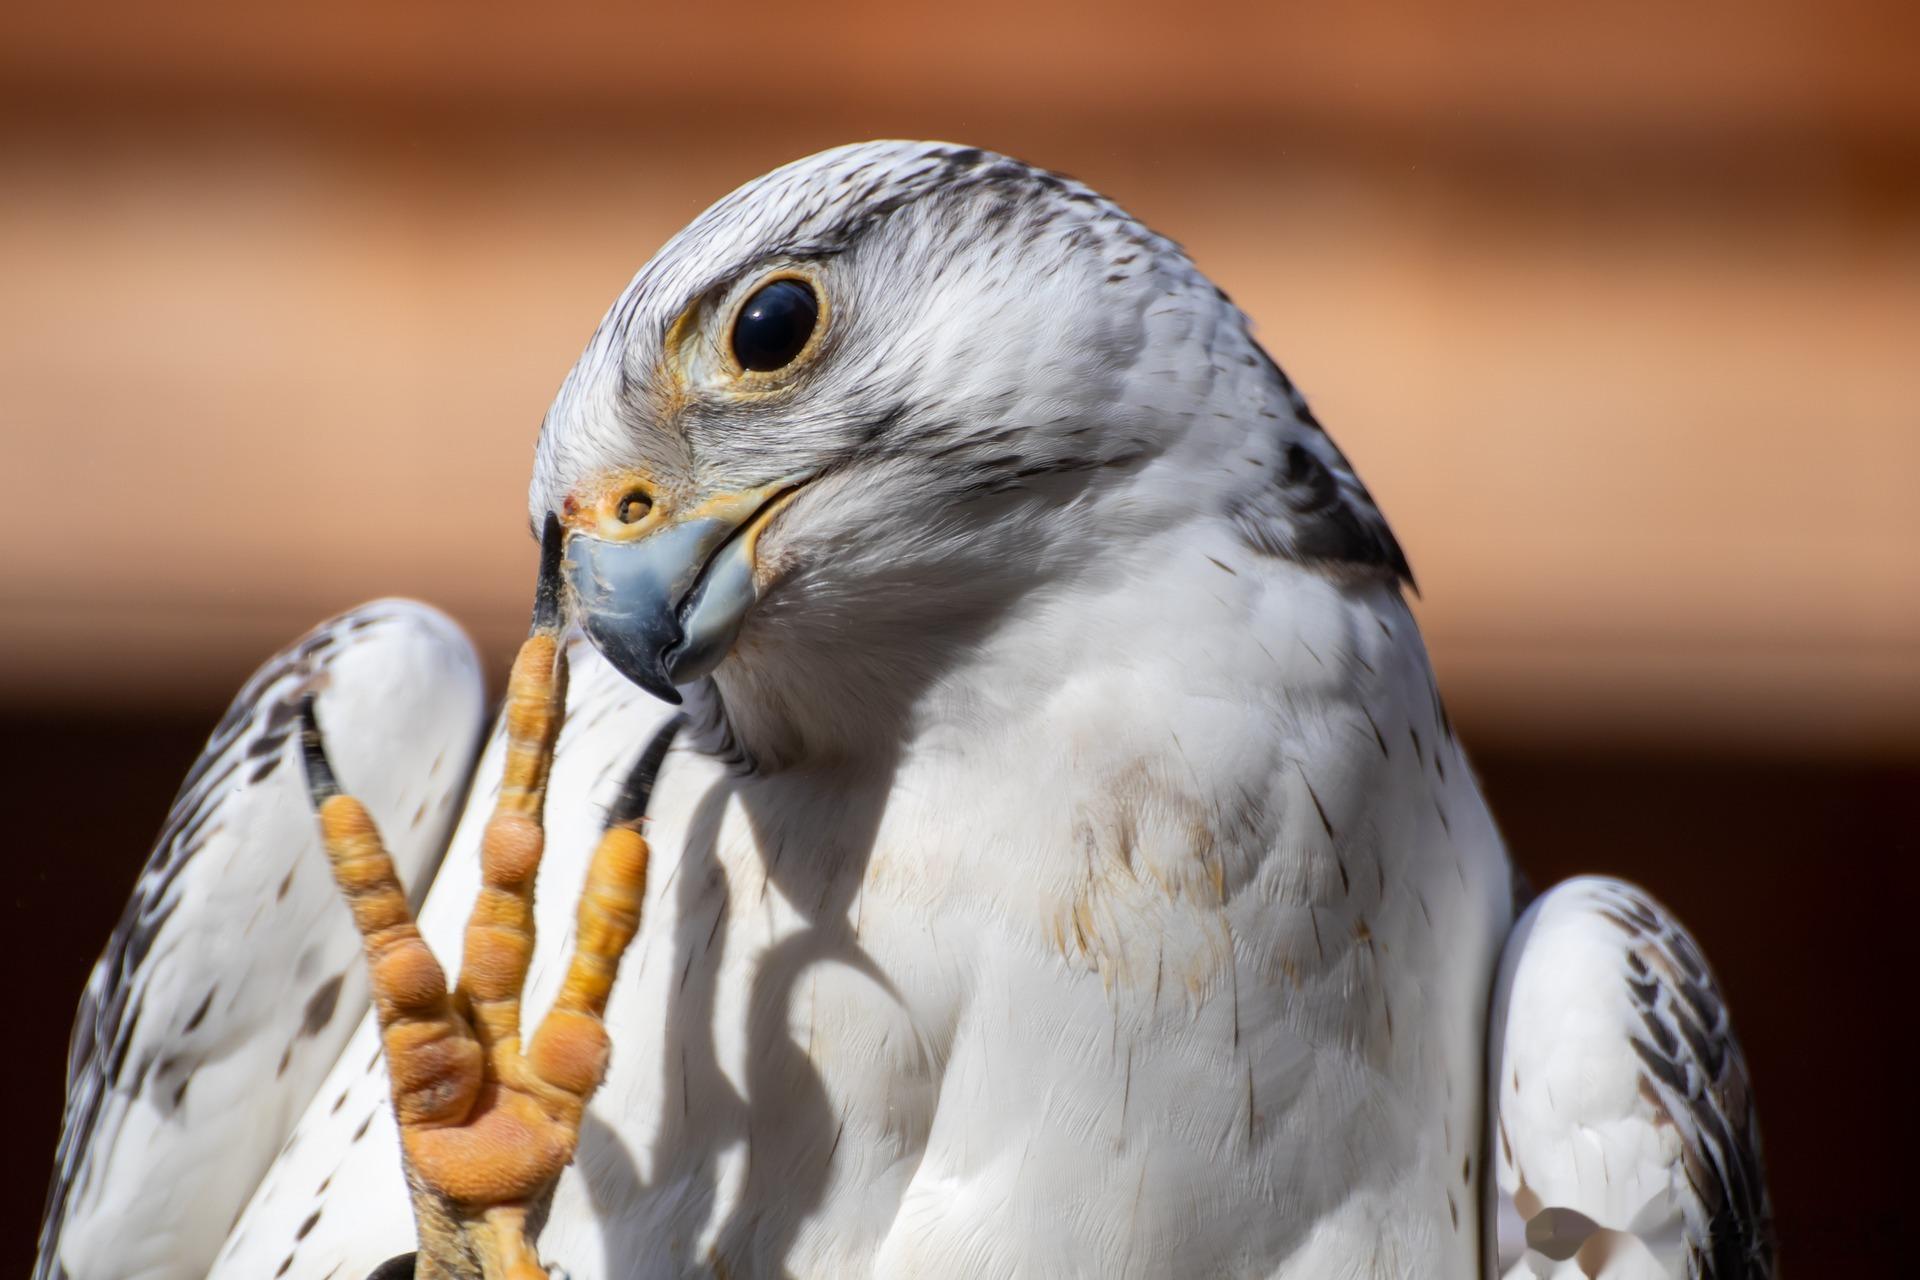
(798, 287)
(700, 348)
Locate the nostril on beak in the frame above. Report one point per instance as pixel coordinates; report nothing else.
(634, 506)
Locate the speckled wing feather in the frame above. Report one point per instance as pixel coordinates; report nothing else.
(233, 978)
(1623, 1136)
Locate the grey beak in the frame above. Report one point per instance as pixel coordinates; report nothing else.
(664, 609)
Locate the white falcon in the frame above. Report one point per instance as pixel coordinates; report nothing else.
(1070, 869)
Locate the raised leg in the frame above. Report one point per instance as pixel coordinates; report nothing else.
(486, 1127)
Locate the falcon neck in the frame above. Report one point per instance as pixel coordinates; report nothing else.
(806, 687)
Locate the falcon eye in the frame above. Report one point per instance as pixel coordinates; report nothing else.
(774, 326)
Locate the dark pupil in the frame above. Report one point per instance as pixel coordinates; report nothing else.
(774, 325)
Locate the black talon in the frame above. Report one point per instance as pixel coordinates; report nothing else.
(631, 804)
(547, 600)
(400, 1268)
(321, 784)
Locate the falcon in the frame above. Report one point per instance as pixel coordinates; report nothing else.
(1057, 858)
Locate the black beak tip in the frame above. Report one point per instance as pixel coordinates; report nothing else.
(640, 657)
(662, 688)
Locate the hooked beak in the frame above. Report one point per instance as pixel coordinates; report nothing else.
(663, 597)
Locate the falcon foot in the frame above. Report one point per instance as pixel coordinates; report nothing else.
(487, 1123)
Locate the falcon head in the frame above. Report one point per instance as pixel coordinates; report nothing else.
(874, 400)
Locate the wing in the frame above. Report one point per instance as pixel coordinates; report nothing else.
(233, 978)
(334, 1202)
(1623, 1134)
(1311, 506)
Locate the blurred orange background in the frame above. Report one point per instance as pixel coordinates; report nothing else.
(1615, 306)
